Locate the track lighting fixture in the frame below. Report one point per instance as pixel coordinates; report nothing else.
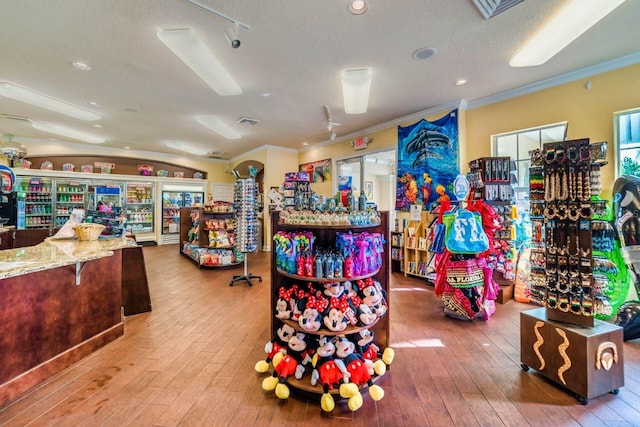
(231, 34)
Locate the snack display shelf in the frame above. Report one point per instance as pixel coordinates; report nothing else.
(326, 332)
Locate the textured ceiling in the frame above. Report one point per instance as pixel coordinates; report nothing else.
(294, 50)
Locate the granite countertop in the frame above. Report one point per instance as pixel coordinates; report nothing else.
(53, 253)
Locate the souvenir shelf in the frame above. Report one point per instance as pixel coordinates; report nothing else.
(396, 239)
(490, 179)
(207, 237)
(417, 236)
(325, 236)
(586, 358)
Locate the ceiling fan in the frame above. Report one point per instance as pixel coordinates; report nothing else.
(10, 150)
(330, 123)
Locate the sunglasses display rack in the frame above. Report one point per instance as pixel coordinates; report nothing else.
(490, 179)
(245, 205)
(564, 341)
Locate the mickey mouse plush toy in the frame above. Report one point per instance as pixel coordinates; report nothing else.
(370, 351)
(275, 348)
(293, 363)
(359, 370)
(328, 371)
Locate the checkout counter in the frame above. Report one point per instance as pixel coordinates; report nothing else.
(61, 300)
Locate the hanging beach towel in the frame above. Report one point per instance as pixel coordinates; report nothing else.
(464, 233)
(466, 273)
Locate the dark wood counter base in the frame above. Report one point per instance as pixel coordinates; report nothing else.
(49, 322)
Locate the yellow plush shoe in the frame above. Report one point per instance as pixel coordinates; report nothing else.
(376, 392)
(269, 383)
(379, 367)
(277, 358)
(355, 402)
(262, 366)
(327, 403)
(282, 391)
(348, 390)
(387, 355)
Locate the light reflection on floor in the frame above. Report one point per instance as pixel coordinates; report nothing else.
(422, 343)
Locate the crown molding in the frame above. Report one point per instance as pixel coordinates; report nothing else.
(590, 71)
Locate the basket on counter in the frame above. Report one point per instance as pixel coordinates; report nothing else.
(88, 231)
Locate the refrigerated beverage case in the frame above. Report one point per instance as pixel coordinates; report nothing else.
(34, 203)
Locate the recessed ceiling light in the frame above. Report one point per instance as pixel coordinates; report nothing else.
(461, 82)
(126, 147)
(358, 7)
(93, 103)
(424, 53)
(98, 125)
(266, 94)
(305, 143)
(80, 65)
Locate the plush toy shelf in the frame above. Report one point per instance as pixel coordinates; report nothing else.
(326, 332)
(324, 279)
(377, 332)
(287, 226)
(304, 384)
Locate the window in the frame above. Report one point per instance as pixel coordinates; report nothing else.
(627, 138)
(517, 145)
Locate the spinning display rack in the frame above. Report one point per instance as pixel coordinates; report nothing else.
(245, 205)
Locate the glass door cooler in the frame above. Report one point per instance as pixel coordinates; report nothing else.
(139, 207)
(172, 200)
(105, 207)
(171, 204)
(34, 203)
(69, 195)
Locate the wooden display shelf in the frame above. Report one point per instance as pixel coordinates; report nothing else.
(323, 226)
(304, 384)
(586, 361)
(325, 279)
(326, 332)
(324, 237)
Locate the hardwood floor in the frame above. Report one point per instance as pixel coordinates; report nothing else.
(190, 363)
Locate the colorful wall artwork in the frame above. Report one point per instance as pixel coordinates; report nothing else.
(319, 171)
(427, 161)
